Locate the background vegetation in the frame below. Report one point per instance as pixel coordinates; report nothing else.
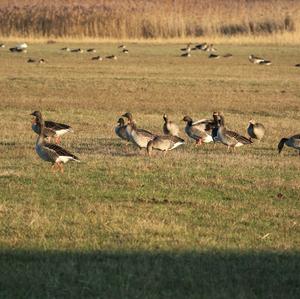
(130, 19)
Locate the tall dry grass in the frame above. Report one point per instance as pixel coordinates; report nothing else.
(150, 19)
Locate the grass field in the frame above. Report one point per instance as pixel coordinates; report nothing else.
(199, 223)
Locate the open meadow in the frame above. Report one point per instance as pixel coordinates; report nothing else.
(198, 223)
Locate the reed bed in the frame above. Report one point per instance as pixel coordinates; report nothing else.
(131, 19)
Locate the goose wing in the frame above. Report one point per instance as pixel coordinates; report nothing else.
(238, 137)
(55, 151)
(56, 126)
(145, 133)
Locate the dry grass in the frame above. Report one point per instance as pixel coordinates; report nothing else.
(149, 19)
(138, 223)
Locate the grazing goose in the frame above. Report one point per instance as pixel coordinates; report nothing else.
(114, 57)
(137, 136)
(52, 129)
(293, 141)
(170, 128)
(97, 58)
(17, 50)
(121, 129)
(214, 56)
(227, 55)
(230, 138)
(188, 54)
(257, 60)
(2, 45)
(41, 61)
(51, 152)
(30, 60)
(66, 49)
(256, 130)
(199, 130)
(202, 46)
(164, 143)
(187, 49)
(125, 51)
(92, 50)
(78, 50)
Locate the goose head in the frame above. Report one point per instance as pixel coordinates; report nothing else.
(165, 117)
(188, 120)
(128, 115)
(121, 122)
(281, 144)
(37, 115)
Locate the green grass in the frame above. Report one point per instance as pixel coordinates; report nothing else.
(199, 223)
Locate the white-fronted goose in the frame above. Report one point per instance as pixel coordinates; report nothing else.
(293, 141)
(230, 138)
(170, 128)
(91, 50)
(257, 60)
(256, 130)
(164, 143)
(121, 129)
(97, 58)
(139, 137)
(199, 130)
(52, 129)
(114, 57)
(51, 152)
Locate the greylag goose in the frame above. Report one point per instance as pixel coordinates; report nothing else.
(164, 143)
(170, 128)
(121, 129)
(258, 60)
(230, 138)
(114, 57)
(97, 58)
(256, 130)
(91, 50)
(293, 141)
(52, 129)
(139, 137)
(51, 152)
(199, 130)
(125, 51)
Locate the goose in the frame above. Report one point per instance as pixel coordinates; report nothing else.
(202, 46)
(114, 57)
(293, 141)
(120, 130)
(78, 50)
(52, 129)
(188, 54)
(199, 130)
(2, 45)
(97, 58)
(91, 50)
(139, 137)
(214, 56)
(216, 125)
(17, 50)
(227, 55)
(230, 138)
(51, 152)
(30, 60)
(187, 49)
(170, 128)
(164, 143)
(66, 49)
(41, 61)
(125, 51)
(257, 60)
(256, 130)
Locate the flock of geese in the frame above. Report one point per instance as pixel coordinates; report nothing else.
(201, 131)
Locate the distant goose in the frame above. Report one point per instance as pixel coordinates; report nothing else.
(125, 51)
(256, 130)
(227, 55)
(297, 65)
(97, 58)
(52, 129)
(230, 138)
(139, 137)
(2, 45)
(214, 56)
(30, 60)
(122, 47)
(17, 50)
(293, 141)
(170, 128)
(120, 129)
(164, 143)
(66, 49)
(257, 60)
(200, 130)
(78, 50)
(202, 46)
(91, 50)
(187, 49)
(114, 57)
(51, 152)
(41, 61)
(188, 54)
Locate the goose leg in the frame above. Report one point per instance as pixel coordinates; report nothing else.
(199, 141)
(54, 167)
(61, 167)
(58, 140)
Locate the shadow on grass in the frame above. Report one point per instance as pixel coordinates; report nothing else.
(47, 274)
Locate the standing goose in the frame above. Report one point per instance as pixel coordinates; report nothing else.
(121, 129)
(256, 130)
(170, 128)
(199, 130)
(187, 49)
(164, 143)
(51, 152)
(139, 137)
(52, 129)
(293, 141)
(230, 138)
(257, 60)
